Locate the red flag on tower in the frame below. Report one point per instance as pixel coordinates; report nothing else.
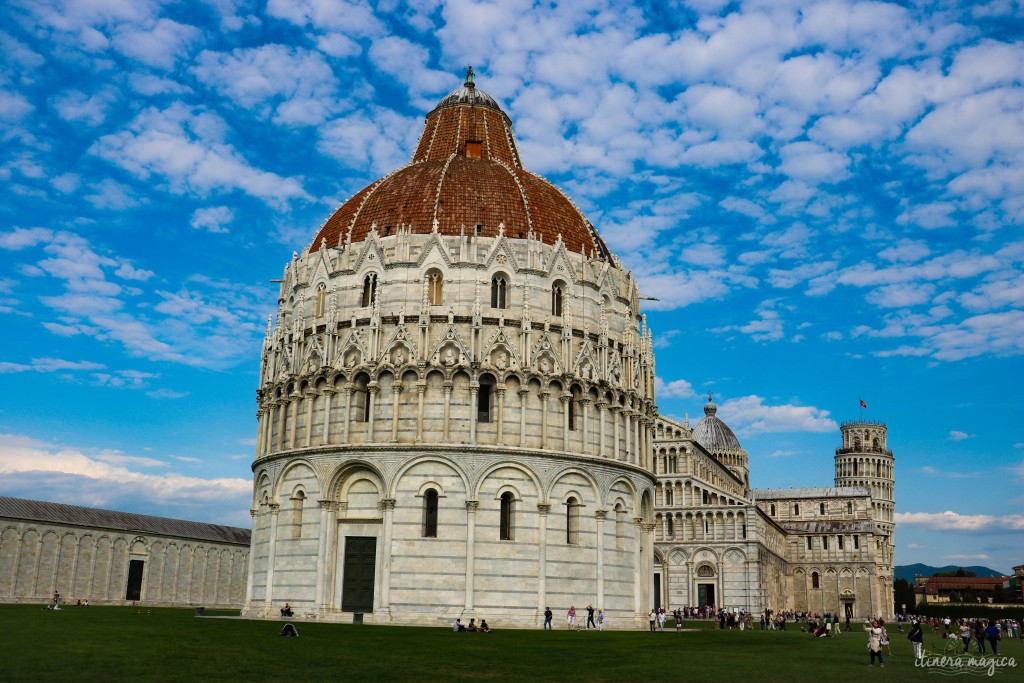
(863, 404)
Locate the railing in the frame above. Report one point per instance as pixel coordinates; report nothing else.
(864, 449)
(852, 423)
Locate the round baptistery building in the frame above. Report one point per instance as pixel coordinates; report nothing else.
(456, 401)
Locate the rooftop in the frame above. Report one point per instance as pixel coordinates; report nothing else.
(58, 513)
(811, 492)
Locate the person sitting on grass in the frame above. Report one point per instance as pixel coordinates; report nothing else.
(484, 628)
(472, 625)
(289, 631)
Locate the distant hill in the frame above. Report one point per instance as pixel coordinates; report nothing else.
(910, 571)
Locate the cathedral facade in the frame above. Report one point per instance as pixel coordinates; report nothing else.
(456, 414)
(816, 549)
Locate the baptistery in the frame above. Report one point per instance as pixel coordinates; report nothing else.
(456, 401)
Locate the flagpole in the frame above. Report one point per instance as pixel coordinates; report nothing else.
(861, 403)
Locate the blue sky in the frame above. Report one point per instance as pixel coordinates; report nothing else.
(826, 197)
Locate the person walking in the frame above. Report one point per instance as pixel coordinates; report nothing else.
(979, 634)
(651, 618)
(874, 632)
(992, 632)
(600, 620)
(590, 617)
(570, 618)
(661, 620)
(916, 636)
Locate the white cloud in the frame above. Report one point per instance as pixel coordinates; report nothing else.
(750, 415)
(295, 86)
(956, 435)
(187, 148)
(979, 556)
(213, 219)
(48, 365)
(677, 388)
(109, 479)
(953, 521)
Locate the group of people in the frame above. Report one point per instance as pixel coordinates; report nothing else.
(471, 626)
(595, 621)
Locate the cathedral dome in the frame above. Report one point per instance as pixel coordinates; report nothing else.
(713, 434)
(466, 177)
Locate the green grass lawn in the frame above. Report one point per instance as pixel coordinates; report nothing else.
(116, 644)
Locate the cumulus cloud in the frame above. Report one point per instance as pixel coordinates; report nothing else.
(954, 521)
(187, 148)
(677, 388)
(751, 415)
(212, 218)
(111, 479)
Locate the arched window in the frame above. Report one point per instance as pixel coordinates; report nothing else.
(855, 468)
(821, 508)
(499, 292)
(772, 513)
(808, 542)
(505, 526)
(815, 582)
(824, 542)
(671, 528)
(571, 407)
(430, 514)
(361, 400)
(435, 288)
(796, 509)
(320, 305)
(856, 542)
(849, 508)
(572, 521)
(839, 540)
(620, 526)
(369, 290)
(668, 496)
(556, 299)
(297, 502)
(483, 399)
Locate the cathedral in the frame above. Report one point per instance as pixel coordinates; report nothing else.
(457, 419)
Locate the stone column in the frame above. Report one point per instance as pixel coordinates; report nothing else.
(601, 411)
(542, 570)
(600, 516)
(585, 439)
(627, 415)
(372, 390)
(387, 506)
(274, 510)
(294, 422)
(253, 537)
(640, 580)
(349, 391)
(447, 409)
(500, 390)
(396, 392)
(471, 507)
(282, 412)
(328, 517)
(473, 411)
(260, 428)
(310, 400)
(523, 393)
(565, 398)
(615, 436)
(543, 419)
(421, 388)
(326, 433)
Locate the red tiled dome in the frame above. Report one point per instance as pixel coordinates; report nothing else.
(466, 172)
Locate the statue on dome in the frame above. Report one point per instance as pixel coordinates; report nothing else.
(469, 75)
